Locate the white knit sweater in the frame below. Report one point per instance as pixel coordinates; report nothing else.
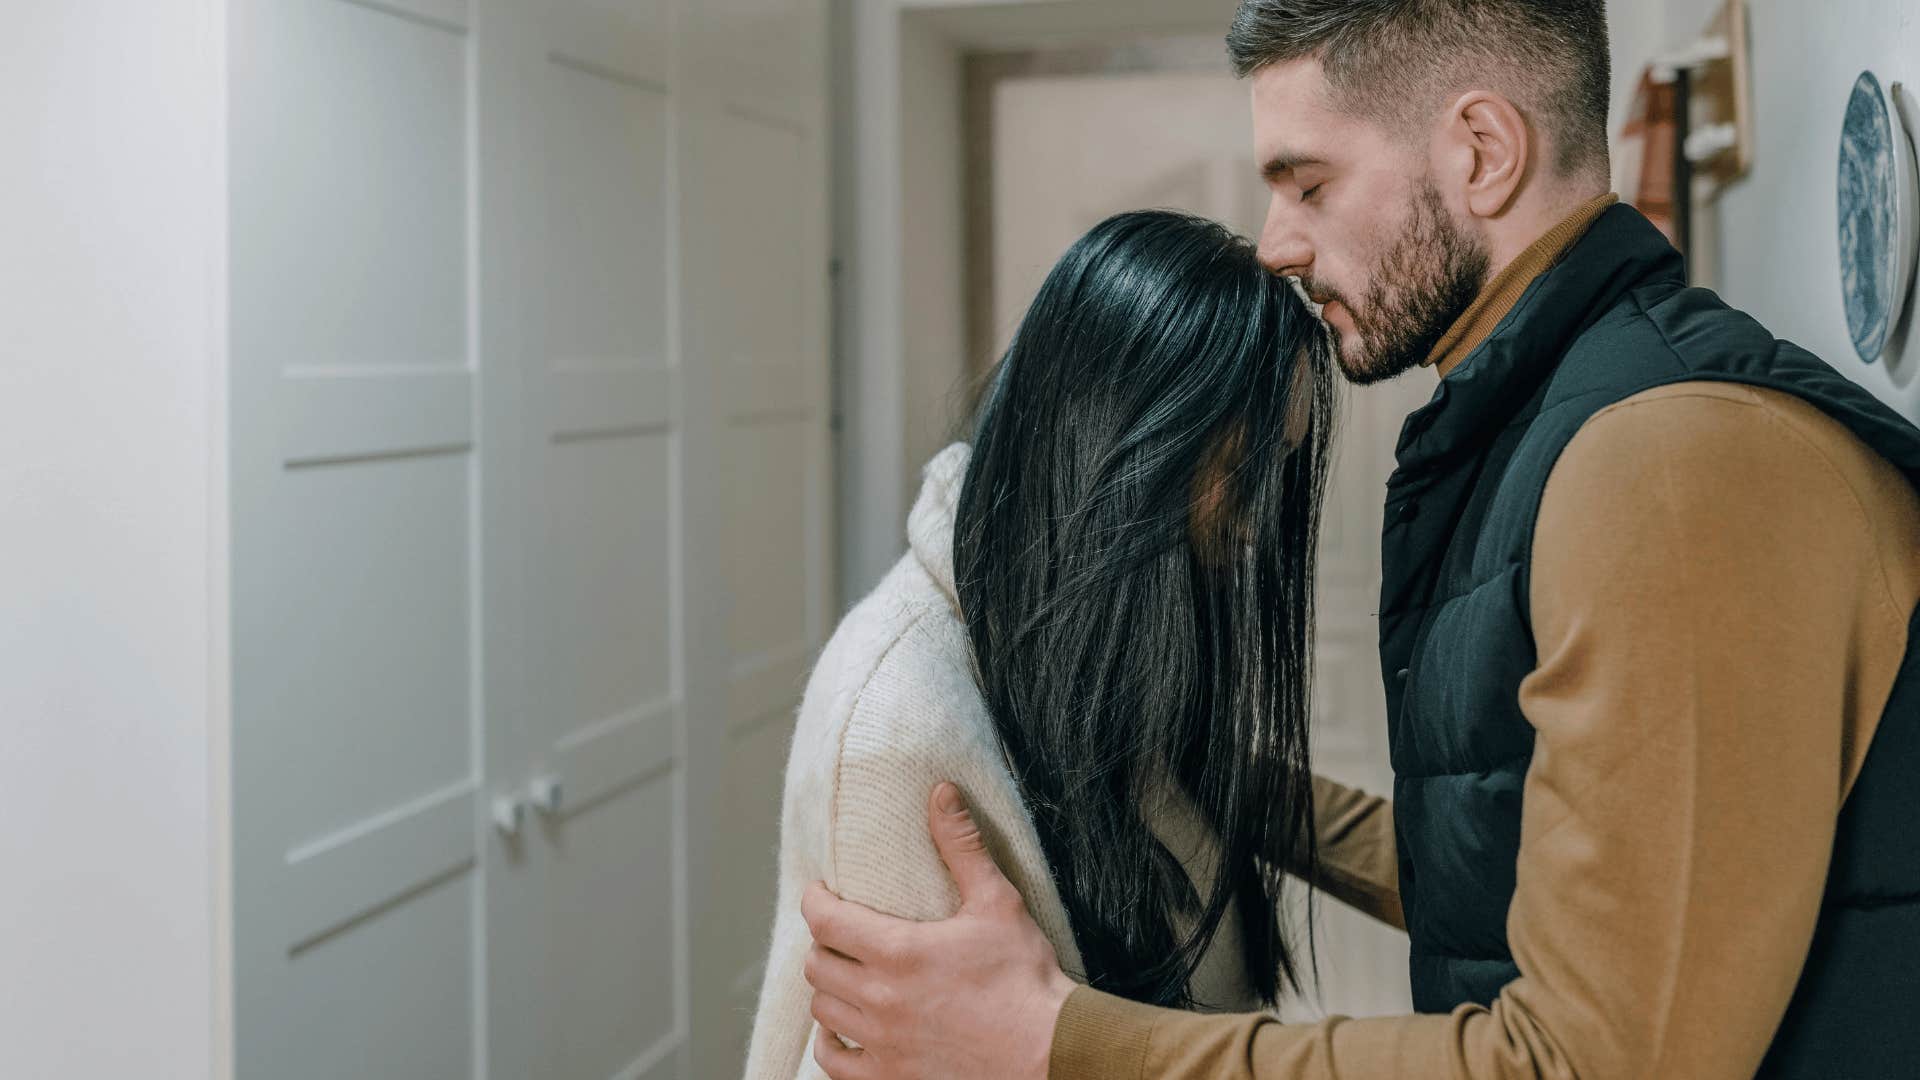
(892, 709)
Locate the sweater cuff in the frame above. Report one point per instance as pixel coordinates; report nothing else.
(1100, 1037)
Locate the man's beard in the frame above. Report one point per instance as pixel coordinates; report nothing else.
(1423, 284)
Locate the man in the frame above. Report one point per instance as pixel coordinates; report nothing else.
(1649, 576)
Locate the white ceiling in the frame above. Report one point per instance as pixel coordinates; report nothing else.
(1000, 25)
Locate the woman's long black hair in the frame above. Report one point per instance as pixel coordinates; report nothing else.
(1134, 553)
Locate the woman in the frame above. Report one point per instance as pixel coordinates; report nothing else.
(1101, 633)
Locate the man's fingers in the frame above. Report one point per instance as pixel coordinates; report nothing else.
(841, 1062)
(838, 1015)
(829, 972)
(964, 849)
(845, 927)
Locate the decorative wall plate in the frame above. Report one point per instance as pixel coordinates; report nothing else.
(1879, 216)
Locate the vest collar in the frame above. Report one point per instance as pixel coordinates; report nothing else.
(1506, 287)
(1488, 388)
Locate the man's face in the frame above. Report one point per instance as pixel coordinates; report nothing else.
(1355, 214)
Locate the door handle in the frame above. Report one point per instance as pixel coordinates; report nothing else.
(509, 813)
(546, 794)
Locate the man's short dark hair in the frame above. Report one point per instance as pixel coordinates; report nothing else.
(1392, 59)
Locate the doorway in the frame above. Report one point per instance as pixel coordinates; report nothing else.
(1020, 126)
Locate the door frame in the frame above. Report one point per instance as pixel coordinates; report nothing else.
(876, 212)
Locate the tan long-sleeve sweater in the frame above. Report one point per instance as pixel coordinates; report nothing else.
(1721, 586)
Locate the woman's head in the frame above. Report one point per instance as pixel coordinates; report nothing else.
(1134, 556)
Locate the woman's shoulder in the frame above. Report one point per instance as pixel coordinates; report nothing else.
(919, 711)
(892, 710)
(892, 699)
(899, 660)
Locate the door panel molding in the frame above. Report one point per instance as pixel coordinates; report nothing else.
(590, 404)
(632, 45)
(448, 15)
(355, 418)
(602, 759)
(766, 686)
(334, 881)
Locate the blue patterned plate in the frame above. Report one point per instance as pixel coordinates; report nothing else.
(1877, 217)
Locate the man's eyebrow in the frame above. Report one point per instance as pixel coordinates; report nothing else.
(1285, 162)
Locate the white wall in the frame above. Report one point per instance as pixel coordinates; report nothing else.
(900, 339)
(933, 242)
(870, 458)
(1069, 150)
(1778, 255)
(109, 612)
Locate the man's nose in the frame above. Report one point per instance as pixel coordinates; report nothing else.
(1283, 246)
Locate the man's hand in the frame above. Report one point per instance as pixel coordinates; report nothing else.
(976, 995)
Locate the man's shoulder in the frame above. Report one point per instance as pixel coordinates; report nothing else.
(1712, 439)
(1664, 333)
(1696, 463)
(1694, 456)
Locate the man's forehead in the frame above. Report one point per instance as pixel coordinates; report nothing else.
(1291, 116)
(1292, 85)
(1296, 121)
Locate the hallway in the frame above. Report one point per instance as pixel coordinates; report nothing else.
(437, 436)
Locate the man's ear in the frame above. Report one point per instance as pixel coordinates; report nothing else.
(1496, 149)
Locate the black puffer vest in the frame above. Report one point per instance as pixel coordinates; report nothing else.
(1614, 318)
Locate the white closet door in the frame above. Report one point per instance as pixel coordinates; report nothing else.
(355, 726)
(586, 912)
(530, 524)
(663, 233)
(756, 260)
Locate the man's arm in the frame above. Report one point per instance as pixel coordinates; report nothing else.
(1710, 612)
(1709, 607)
(986, 976)
(1357, 864)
